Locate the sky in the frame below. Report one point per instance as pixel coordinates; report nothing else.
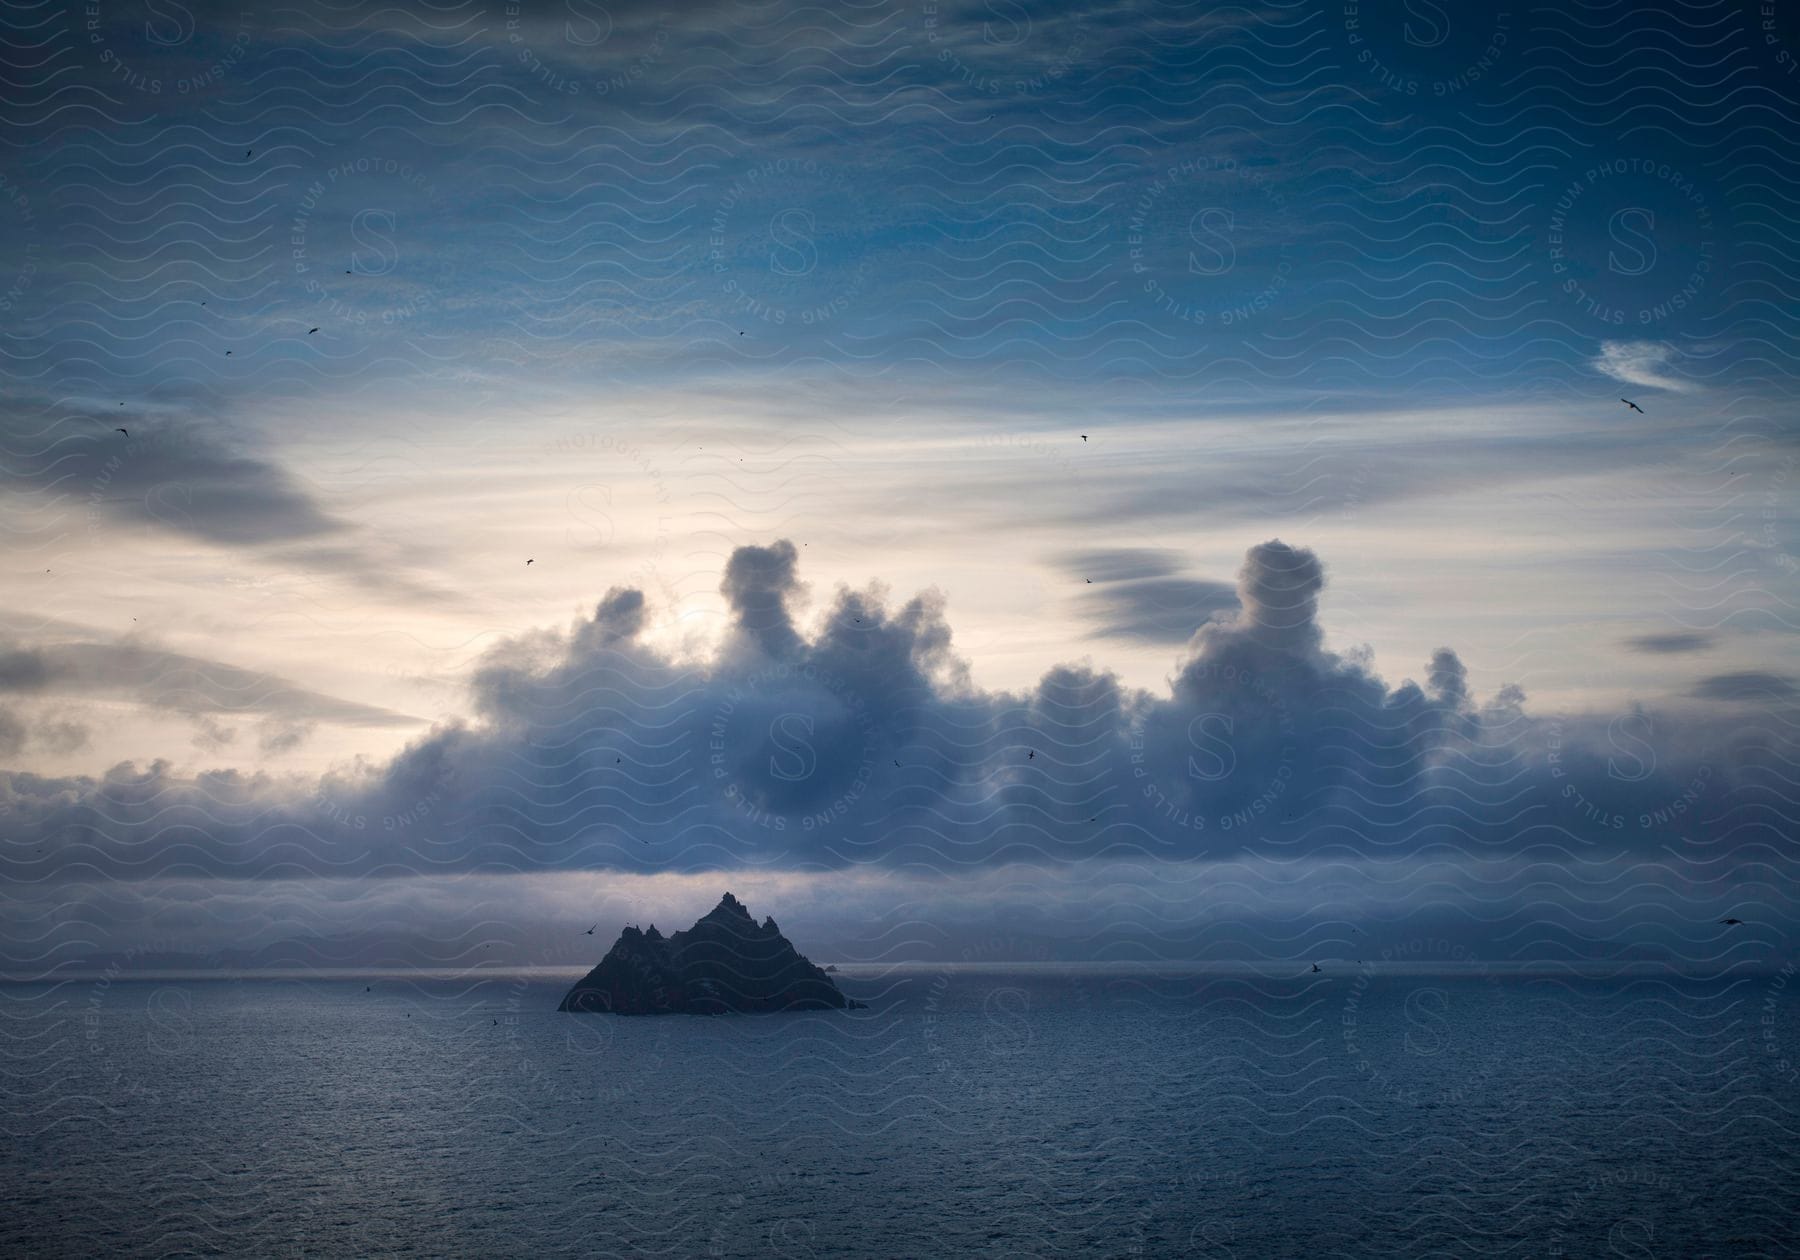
(1152, 478)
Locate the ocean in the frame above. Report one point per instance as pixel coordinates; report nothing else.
(1040, 1110)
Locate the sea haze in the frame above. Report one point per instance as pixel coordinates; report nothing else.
(971, 1109)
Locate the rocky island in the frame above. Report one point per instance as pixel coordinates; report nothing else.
(725, 962)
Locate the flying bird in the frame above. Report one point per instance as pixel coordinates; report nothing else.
(311, 331)
(121, 431)
(1632, 405)
(248, 152)
(1731, 922)
(1084, 437)
(528, 562)
(1315, 966)
(590, 931)
(228, 354)
(1031, 754)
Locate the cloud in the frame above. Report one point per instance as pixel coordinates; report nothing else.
(13, 733)
(1270, 790)
(1136, 595)
(1671, 643)
(178, 683)
(861, 743)
(19, 732)
(23, 670)
(190, 476)
(758, 583)
(1746, 685)
(1640, 363)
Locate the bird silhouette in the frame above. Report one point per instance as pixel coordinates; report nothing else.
(1030, 755)
(590, 931)
(1632, 405)
(1084, 437)
(528, 562)
(1315, 966)
(228, 354)
(311, 331)
(248, 152)
(121, 431)
(365, 988)
(1731, 922)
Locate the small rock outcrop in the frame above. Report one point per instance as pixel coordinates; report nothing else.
(725, 962)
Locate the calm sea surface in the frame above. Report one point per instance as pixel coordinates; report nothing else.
(1004, 1111)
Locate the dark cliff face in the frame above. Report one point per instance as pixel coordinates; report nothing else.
(725, 962)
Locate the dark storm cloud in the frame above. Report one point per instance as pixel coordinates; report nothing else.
(1746, 685)
(1668, 644)
(863, 742)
